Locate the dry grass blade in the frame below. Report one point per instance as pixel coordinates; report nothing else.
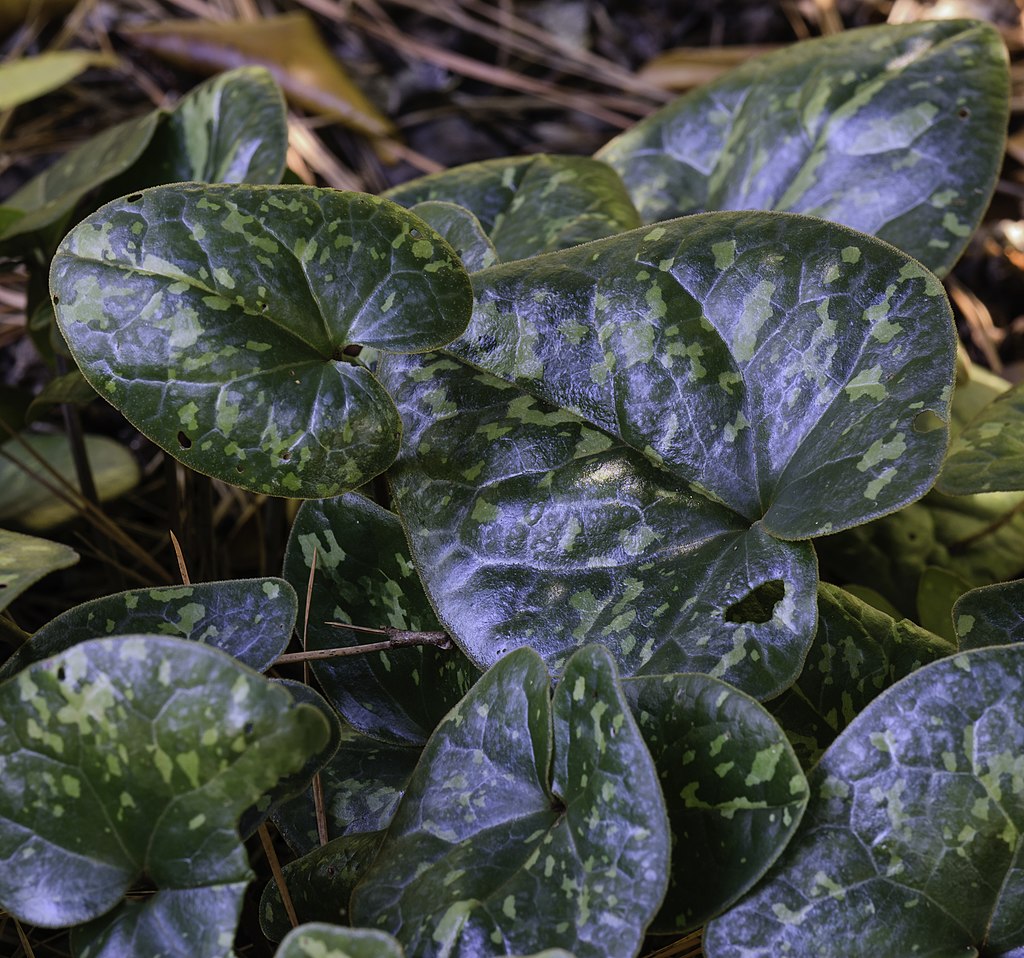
(688, 67)
(182, 567)
(310, 148)
(688, 947)
(275, 868)
(984, 333)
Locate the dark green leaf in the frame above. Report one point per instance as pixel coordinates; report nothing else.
(319, 884)
(911, 842)
(230, 129)
(781, 364)
(937, 591)
(462, 229)
(250, 619)
(26, 496)
(361, 786)
(993, 615)
(46, 200)
(532, 824)
(139, 753)
(988, 455)
(857, 653)
(897, 131)
(531, 527)
(216, 319)
(531, 204)
(24, 560)
(71, 388)
(329, 941)
(176, 923)
(733, 786)
(364, 576)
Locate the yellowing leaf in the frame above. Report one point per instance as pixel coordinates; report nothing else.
(27, 78)
(288, 46)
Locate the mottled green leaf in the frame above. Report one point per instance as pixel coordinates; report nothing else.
(361, 786)
(979, 538)
(24, 560)
(26, 78)
(250, 619)
(988, 455)
(937, 591)
(733, 786)
(897, 131)
(532, 823)
(25, 483)
(217, 317)
(531, 204)
(49, 198)
(530, 527)
(993, 615)
(462, 229)
(231, 129)
(139, 753)
(318, 940)
(319, 884)
(364, 576)
(911, 843)
(858, 652)
(781, 364)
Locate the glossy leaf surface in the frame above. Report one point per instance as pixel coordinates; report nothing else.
(988, 455)
(993, 615)
(531, 527)
(25, 484)
(733, 786)
(857, 653)
(24, 560)
(250, 619)
(896, 131)
(911, 842)
(318, 940)
(231, 129)
(362, 785)
(140, 753)
(216, 319)
(523, 807)
(364, 576)
(761, 357)
(462, 229)
(319, 884)
(531, 204)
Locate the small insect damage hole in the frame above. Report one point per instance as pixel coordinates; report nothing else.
(56, 300)
(134, 198)
(927, 421)
(758, 605)
(963, 113)
(61, 674)
(349, 352)
(184, 441)
(286, 455)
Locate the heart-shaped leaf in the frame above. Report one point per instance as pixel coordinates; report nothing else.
(319, 884)
(857, 653)
(897, 131)
(319, 940)
(911, 842)
(526, 808)
(250, 619)
(361, 786)
(139, 753)
(993, 615)
(530, 527)
(231, 129)
(531, 204)
(764, 358)
(364, 576)
(24, 560)
(217, 319)
(988, 454)
(733, 786)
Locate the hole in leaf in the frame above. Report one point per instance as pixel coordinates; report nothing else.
(184, 441)
(927, 421)
(352, 349)
(286, 455)
(414, 233)
(248, 727)
(60, 674)
(963, 113)
(56, 300)
(134, 198)
(758, 605)
(239, 468)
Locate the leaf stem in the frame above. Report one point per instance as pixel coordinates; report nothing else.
(962, 545)
(396, 639)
